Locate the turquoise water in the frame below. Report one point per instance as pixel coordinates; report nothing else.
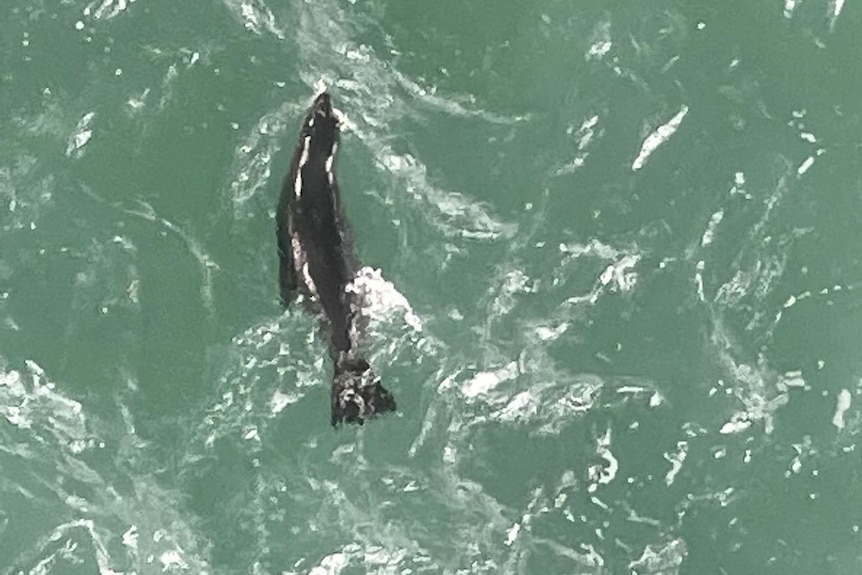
(613, 277)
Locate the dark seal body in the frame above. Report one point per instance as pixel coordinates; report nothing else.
(316, 257)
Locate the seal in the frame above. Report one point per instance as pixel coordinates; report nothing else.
(316, 258)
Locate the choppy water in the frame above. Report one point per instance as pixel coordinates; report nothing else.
(613, 277)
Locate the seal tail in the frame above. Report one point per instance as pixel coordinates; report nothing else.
(357, 394)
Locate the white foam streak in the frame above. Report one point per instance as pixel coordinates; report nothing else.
(206, 264)
(600, 41)
(80, 136)
(102, 557)
(107, 9)
(805, 165)
(485, 381)
(676, 460)
(330, 565)
(584, 135)
(658, 137)
(837, 6)
(709, 234)
(252, 161)
(462, 217)
(29, 401)
(603, 474)
(752, 388)
(449, 104)
(664, 559)
(620, 273)
(842, 405)
(255, 16)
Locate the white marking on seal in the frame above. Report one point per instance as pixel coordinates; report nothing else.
(301, 261)
(328, 166)
(310, 282)
(329, 169)
(303, 159)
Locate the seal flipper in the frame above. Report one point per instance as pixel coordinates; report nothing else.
(357, 394)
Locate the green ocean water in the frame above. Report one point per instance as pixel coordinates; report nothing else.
(613, 275)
